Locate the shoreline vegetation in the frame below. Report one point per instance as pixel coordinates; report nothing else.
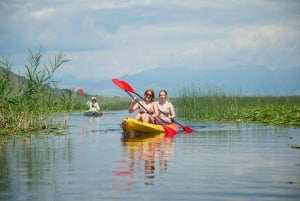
(34, 103)
(214, 105)
(27, 102)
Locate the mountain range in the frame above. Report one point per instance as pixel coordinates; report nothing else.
(238, 80)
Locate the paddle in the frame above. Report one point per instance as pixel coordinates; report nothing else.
(124, 85)
(168, 131)
(82, 92)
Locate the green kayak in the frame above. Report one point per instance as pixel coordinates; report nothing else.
(93, 113)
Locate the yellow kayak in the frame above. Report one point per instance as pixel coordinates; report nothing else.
(134, 127)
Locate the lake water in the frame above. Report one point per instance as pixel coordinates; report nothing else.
(221, 161)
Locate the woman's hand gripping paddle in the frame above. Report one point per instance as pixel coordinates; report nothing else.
(124, 85)
(169, 132)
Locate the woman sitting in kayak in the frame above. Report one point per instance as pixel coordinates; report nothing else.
(147, 108)
(165, 107)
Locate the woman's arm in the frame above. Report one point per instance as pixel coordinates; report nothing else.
(133, 106)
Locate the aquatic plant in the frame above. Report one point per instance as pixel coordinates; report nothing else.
(212, 103)
(25, 104)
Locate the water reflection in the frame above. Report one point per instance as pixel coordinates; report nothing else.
(90, 162)
(26, 163)
(94, 119)
(148, 155)
(91, 126)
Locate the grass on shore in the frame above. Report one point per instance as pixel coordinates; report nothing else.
(213, 104)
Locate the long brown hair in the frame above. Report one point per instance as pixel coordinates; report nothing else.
(152, 92)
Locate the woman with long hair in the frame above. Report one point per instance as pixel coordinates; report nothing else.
(147, 107)
(165, 107)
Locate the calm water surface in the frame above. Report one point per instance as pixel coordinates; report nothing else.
(93, 162)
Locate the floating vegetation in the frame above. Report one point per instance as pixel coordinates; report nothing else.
(213, 104)
(295, 146)
(294, 182)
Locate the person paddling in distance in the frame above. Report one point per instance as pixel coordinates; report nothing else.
(165, 107)
(93, 105)
(148, 103)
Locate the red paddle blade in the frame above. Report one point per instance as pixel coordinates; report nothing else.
(169, 132)
(82, 92)
(187, 129)
(127, 86)
(123, 85)
(117, 82)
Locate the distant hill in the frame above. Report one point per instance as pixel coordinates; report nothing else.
(241, 80)
(18, 82)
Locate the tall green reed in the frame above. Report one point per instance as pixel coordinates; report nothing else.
(204, 103)
(212, 103)
(25, 106)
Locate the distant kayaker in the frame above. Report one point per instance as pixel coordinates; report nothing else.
(93, 104)
(165, 107)
(147, 108)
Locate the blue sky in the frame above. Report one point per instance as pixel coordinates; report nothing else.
(112, 38)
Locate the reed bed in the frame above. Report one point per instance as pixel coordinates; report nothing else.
(114, 103)
(34, 103)
(25, 104)
(212, 103)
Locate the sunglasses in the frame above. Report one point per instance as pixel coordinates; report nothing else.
(149, 95)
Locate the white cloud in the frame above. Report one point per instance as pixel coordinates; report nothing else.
(113, 38)
(43, 14)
